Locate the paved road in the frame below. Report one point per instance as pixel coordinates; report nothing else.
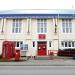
(37, 70)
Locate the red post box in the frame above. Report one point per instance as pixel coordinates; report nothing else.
(17, 55)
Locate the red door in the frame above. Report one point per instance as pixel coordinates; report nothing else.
(42, 48)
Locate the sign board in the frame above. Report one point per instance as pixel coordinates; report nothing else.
(42, 36)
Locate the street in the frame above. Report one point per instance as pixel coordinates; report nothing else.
(37, 70)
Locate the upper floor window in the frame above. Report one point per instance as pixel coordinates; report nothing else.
(16, 26)
(67, 25)
(42, 25)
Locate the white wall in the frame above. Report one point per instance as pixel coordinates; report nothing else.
(33, 36)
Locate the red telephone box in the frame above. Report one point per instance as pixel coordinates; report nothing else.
(8, 50)
(12, 46)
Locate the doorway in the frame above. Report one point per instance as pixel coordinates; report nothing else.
(41, 48)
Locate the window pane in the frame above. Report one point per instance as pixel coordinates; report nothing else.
(50, 44)
(17, 44)
(73, 44)
(26, 47)
(41, 30)
(33, 44)
(69, 44)
(65, 44)
(62, 43)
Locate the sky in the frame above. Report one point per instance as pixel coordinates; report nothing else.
(36, 4)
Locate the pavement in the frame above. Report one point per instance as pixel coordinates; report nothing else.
(54, 62)
(37, 70)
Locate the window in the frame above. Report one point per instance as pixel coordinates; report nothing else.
(65, 44)
(16, 25)
(33, 44)
(73, 44)
(26, 47)
(62, 43)
(41, 25)
(18, 43)
(49, 43)
(68, 43)
(67, 25)
(21, 45)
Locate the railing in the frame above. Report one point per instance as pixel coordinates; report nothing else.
(55, 52)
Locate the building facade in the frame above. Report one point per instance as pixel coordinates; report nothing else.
(37, 32)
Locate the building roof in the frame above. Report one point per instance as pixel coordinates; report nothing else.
(38, 12)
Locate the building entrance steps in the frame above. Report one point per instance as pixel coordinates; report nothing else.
(51, 58)
(44, 58)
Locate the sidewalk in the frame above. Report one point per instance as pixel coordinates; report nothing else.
(61, 62)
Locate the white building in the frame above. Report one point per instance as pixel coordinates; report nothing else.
(38, 31)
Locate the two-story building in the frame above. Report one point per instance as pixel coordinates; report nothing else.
(38, 31)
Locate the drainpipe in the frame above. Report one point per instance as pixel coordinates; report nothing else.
(55, 27)
(28, 23)
(2, 30)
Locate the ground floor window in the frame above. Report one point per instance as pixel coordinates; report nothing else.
(21, 45)
(33, 43)
(18, 43)
(68, 43)
(49, 43)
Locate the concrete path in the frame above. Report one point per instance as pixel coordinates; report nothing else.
(40, 63)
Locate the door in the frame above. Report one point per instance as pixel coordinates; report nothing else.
(41, 48)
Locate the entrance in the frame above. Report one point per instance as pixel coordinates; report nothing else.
(42, 47)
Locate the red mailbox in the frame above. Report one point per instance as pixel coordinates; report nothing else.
(17, 55)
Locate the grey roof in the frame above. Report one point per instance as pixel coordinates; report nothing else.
(39, 11)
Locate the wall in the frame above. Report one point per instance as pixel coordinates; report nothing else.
(33, 36)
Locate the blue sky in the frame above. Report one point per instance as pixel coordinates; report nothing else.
(36, 4)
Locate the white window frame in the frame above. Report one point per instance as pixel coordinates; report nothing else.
(67, 25)
(41, 25)
(24, 47)
(16, 42)
(16, 25)
(68, 46)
